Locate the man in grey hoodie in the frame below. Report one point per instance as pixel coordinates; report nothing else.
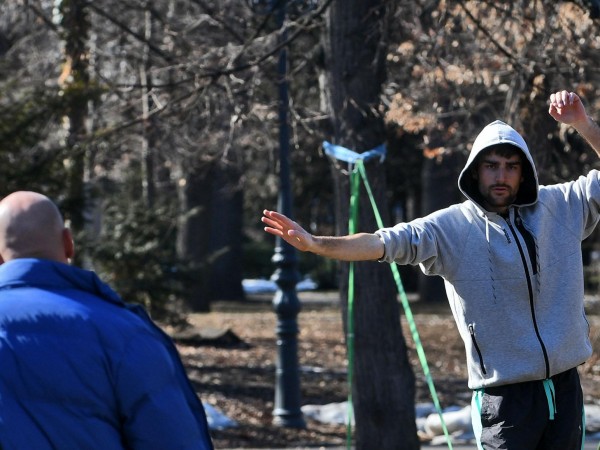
(510, 256)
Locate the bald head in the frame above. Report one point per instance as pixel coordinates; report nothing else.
(31, 226)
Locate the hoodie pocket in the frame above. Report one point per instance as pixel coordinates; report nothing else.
(477, 349)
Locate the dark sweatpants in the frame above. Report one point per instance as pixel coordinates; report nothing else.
(517, 416)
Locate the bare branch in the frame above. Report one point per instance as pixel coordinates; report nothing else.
(42, 16)
(485, 31)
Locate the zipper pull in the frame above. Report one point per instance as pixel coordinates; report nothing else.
(507, 236)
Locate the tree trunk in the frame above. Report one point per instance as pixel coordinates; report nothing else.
(149, 125)
(193, 233)
(383, 389)
(438, 171)
(225, 243)
(74, 81)
(209, 235)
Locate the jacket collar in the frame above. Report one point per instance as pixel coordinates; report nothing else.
(48, 274)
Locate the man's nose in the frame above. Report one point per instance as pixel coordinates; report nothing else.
(501, 174)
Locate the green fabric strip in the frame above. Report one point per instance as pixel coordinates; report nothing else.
(352, 226)
(551, 396)
(476, 416)
(407, 311)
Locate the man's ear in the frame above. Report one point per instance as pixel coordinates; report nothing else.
(68, 244)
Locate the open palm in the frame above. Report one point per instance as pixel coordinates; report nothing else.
(284, 227)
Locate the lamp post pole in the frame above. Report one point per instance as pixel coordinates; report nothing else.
(286, 411)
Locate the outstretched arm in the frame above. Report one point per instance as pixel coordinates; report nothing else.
(566, 107)
(356, 247)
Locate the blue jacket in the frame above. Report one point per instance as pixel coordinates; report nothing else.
(80, 369)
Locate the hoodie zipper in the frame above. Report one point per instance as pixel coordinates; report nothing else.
(472, 333)
(531, 305)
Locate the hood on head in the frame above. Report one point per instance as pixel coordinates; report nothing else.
(496, 133)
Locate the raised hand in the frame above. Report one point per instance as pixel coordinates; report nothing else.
(284, 227)
(566, 107)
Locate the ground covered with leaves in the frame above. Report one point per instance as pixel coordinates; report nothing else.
(230, 355)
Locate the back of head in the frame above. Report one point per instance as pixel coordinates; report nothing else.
(31, 226)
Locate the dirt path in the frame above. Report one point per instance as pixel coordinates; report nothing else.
(238, 378)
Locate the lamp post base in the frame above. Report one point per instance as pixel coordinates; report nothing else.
(286, 411)
(288, 419)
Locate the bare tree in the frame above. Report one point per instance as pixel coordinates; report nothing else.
(383, 388)
(74, 82)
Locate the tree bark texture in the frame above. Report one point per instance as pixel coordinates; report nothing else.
(384, 386)
(193, 228)
(225, 243)
(74, 80)
(209, 235)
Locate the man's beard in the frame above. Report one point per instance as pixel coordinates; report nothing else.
(503, 201)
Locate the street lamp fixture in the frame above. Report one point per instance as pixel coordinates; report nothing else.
(286, 411)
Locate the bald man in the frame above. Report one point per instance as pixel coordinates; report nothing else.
(32, 227)
(79, 368)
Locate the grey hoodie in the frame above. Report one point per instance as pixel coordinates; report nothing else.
(517, 302)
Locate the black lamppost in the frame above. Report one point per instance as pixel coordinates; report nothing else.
(286, 411)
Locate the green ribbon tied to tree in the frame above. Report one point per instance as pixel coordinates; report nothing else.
(357, 174)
